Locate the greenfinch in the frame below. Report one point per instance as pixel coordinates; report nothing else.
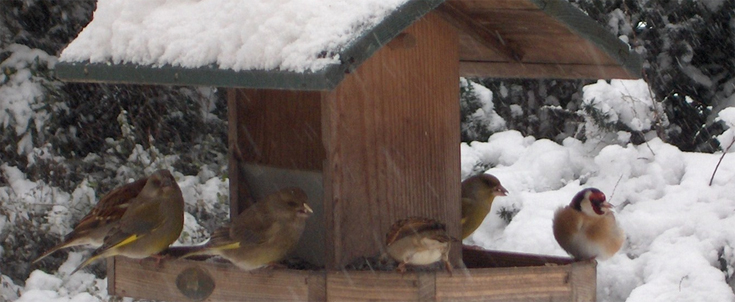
(586, 228)
(263, 234)
(478, 193)
(92, 228)
(419, 241)
(154, 219)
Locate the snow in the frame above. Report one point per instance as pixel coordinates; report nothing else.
(680, 231)
(623, 100)
(293, 35)
(21, 95)
(676, 225)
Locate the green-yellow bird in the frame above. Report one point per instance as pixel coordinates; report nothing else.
(478, 193)
(264, 233)
(92, 228)
(154, 219)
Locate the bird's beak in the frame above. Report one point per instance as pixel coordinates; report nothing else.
(306, 210)
(606, 204)
(501, 191)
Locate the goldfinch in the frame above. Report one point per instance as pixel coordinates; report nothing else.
(92, 228)
(264, 233)
(154, 219)
(478, 193)
(418, 241)
(586, 228)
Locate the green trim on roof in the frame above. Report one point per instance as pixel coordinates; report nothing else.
(351, 57)
(202, 76)
(579, 22)
(326, 79)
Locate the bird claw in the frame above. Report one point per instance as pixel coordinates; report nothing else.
(448, 266)
(401, 267)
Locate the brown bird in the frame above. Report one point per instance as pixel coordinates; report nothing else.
(264, 233)
(93, 227)
(419, 241)
(586, 228)
(478, 193)
(154, 219)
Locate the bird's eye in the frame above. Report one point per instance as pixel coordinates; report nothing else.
(293, 204)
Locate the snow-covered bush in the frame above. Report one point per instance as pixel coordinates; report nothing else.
(478, 119)
(63, 146)
(621, 111)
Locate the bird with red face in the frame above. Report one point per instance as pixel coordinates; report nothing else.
(586, 228)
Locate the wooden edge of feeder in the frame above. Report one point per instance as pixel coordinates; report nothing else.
(521, 279)
(475, 257)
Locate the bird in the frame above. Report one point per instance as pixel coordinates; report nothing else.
(586, 229)
(263, 234)
(93, 227)
(478, 193)
(154, 219)
(419, 241)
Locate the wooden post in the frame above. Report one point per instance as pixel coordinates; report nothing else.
(391, 133)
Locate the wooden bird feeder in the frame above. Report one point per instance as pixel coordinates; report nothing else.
(373, 140)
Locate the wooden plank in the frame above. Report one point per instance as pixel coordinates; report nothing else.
(391, 133)
(188, 280)
(540, 37)
(240, 197)
(485, 36)
(478, 258)
(317, 286)
(371, 286)
(495, 4)
(540, 283)
(147, 281)
(596, 35)
(542, 71)
(281, 128)
(111, 276)
(584, 281)
(426, 286)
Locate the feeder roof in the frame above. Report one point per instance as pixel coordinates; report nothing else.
(312, 44)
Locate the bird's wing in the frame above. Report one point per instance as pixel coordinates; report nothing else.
(410, 226)
(467, 204)
(251, 225)
(109, 209)
(139, 220)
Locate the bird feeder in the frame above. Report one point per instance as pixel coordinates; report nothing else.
(373, 139)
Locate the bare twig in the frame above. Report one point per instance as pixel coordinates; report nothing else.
(614, 188)
(720, 161)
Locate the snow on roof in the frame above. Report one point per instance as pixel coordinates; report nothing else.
(289, 35)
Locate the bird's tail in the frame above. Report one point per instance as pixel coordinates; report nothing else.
(53, 249)
(210, 250)
(91, 259)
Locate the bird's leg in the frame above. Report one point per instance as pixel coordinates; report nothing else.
(447, 265)
(157, 257)
(401, 267)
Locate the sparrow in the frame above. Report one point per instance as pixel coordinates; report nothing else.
(263, 234)
(154, 219)
(92, 228)
(478, 193)
(419, 241)
(586, 228)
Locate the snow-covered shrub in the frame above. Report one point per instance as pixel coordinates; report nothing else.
(478, 119)
(620, 112)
